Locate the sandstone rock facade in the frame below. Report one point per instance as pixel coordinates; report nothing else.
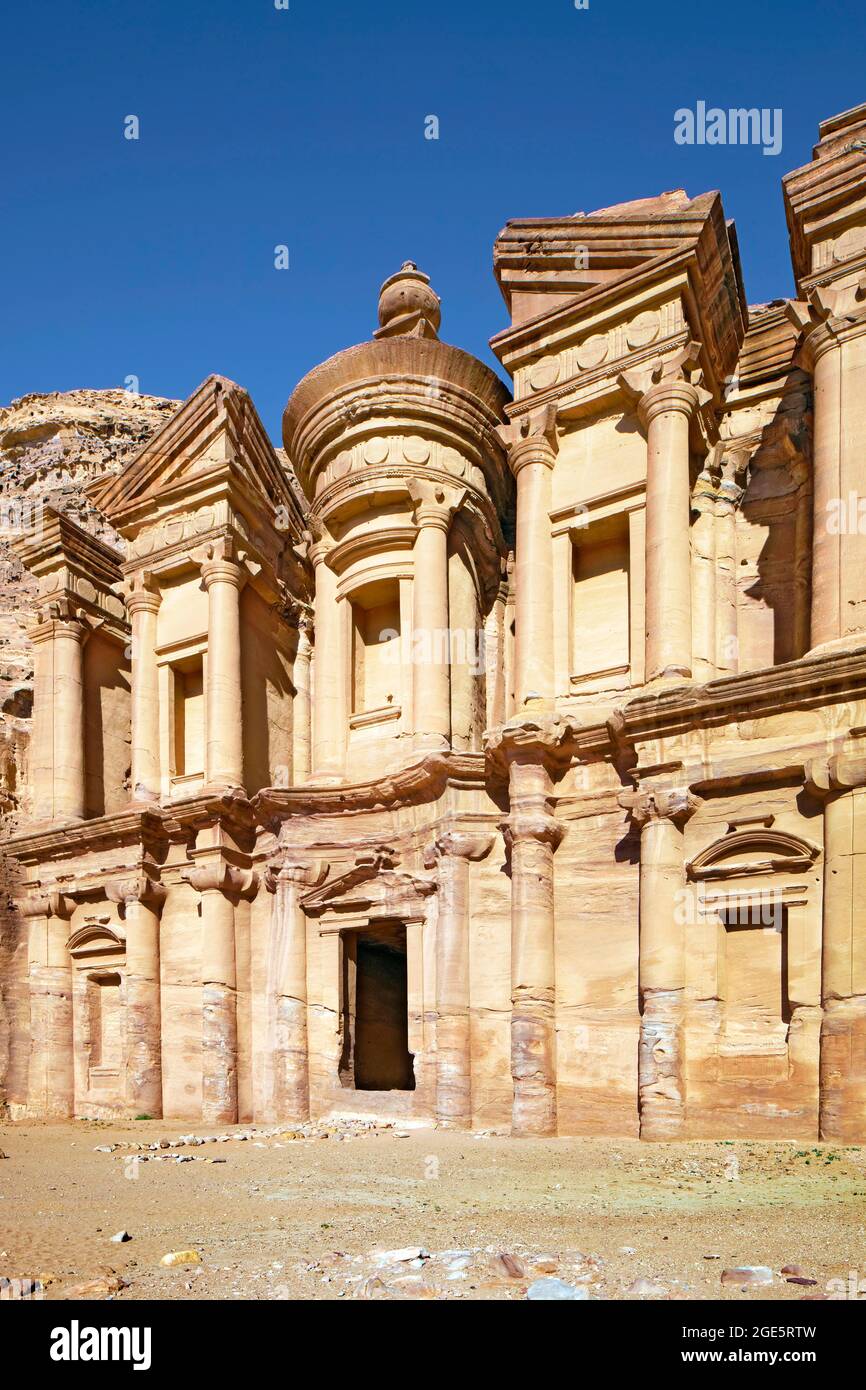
(496, 762)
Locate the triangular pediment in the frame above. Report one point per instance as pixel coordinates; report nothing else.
(217, 431)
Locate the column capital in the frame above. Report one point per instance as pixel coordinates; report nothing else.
(140, 888)
(220, 877)
(310, 875)
(222, 571)
(826, 319)
(648, 806)
(669, 384)
(457, 844)
(58, 617)
(319, 551)
(548, 741)
(531, 438)
(435, 504)
(840, 772)
(141, 593)
(524, 826)
(47, 904)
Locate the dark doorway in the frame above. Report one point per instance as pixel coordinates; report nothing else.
(376, 1014)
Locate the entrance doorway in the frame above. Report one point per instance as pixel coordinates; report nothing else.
(376, 1054)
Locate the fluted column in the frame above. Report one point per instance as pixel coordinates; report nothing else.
(431, 671)
(301, 706)
(58, 707)
(533, 835)
(330, 673)
(51, 1078)
(841, 782)
(220, 886)
(453, 851)
(661, 815)
(532, 449)
(142, 901)
(223, 579)
(287, 990)
(142, 604)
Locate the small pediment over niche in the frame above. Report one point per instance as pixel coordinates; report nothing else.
(755, 851)
(372, 886)
(96, 939)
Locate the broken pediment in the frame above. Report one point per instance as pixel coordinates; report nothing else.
(374, 887)
(213, 443)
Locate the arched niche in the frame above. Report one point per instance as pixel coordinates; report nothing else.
(98, 951)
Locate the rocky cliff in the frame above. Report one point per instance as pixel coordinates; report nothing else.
(52, 447)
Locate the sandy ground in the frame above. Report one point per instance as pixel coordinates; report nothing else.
(280, 1217)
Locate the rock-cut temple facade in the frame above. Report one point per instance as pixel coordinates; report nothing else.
(493, 759)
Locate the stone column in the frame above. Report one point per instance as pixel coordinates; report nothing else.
(142, 604)
(454, 851)
(841, 782)
(532, 457)
(142, 899)
(704, 574)
(835, 352)
(330, 673)
(730, 495)
(51, 1080)
(220, 886)
(661, 815)
(301, 708)
(665, 411)
(58, 706)
(223, 579)
(533, 835)
(287, 990)
(431, 671)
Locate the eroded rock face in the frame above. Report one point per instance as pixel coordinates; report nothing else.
(52, 448)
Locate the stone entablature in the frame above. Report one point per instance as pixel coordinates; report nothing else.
(594, 865)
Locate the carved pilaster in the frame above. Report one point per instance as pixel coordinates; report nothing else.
(220, 885)
(451, 853)
(841, 782)
(661, 814)
(288, 1082)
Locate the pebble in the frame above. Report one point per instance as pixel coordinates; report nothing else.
(411, 1252)
(180, 1257)
(121, 1237)
(554, 1290)
(645, 1288)
(747, 1274)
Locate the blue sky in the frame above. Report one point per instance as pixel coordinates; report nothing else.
(305, 127)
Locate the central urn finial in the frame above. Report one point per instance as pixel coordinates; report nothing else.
(408, 307)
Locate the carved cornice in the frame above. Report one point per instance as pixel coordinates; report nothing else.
(423, 782)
